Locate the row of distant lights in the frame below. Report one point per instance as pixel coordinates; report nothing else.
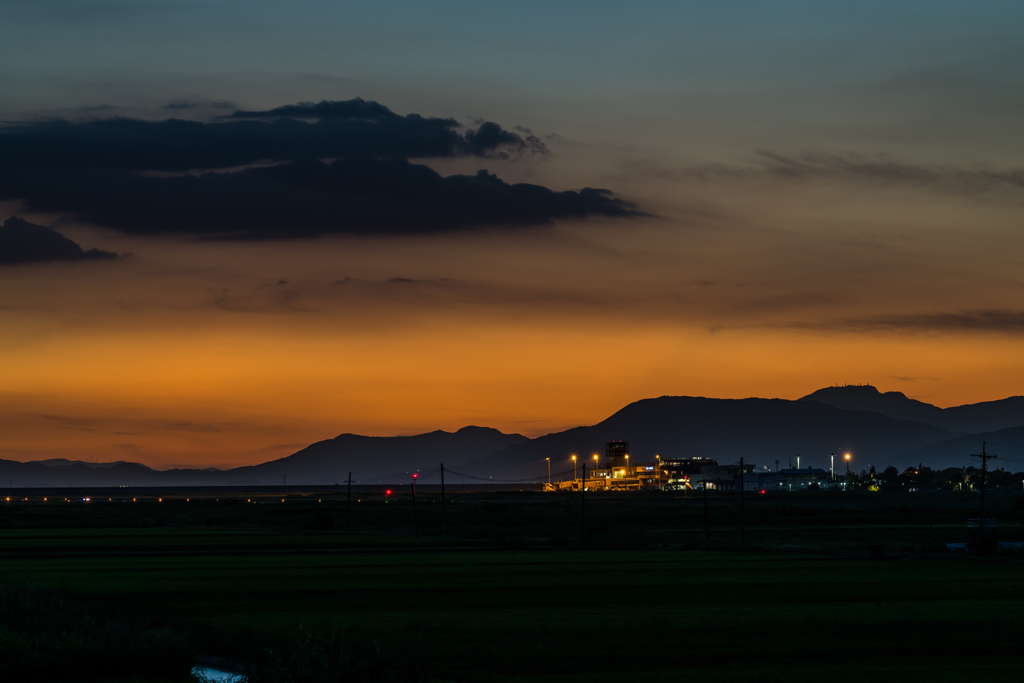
(160, 500)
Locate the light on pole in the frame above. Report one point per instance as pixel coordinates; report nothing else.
(847, 464)
(549, 470)
(596, 463)
(574, 477)
(833, 466)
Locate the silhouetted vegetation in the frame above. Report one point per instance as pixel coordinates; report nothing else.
(331, 659)
(47, 636)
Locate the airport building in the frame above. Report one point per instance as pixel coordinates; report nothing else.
(618, 473)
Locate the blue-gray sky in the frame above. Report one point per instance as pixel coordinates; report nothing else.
(817, 192)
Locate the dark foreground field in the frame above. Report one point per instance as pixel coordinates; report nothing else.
(512, 594)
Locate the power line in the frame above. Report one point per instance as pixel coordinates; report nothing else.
(985, 457)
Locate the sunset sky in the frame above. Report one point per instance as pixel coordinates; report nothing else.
(800, 194)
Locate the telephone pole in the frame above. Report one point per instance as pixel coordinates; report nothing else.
(707, 524)
(743, 531)
(985, 457)
(348, 513)
(444, 525)
(415, 524)
(583, 500)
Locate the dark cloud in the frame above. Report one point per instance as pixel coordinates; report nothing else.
(24, 242)
(301, 199)
(357, 108)
(305, 131)
(299, 170)
(188, 104)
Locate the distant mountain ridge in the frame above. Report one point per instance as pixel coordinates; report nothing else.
(760, 430)
(974, 418)
(379, 458)
(64, 462)
(370, 459)
(877, 428)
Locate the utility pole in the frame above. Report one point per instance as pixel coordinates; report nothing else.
(549, 470)
(707, 524)
(583, 500)
(348, 514)
(743, 532)
(985, 457)
(444, 525)
(931, 535)
(415, 526)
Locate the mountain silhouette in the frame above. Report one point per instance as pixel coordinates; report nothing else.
(876, 428)
(369, 458)
(974, 418)
(759, 430)
(374, 459)
(1007, 444)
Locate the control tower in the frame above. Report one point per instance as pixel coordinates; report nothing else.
(617, 453)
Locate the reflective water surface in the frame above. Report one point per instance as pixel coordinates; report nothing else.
(206, 673)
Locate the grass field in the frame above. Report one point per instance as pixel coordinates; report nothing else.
(477, 608)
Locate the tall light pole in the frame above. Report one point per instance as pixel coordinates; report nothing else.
(832, 468)
(549, 470)
(574, 477)
(847, 464)
(596, 463)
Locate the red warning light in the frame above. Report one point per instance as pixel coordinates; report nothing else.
(415, 476)
(388, 492)
(762, 490)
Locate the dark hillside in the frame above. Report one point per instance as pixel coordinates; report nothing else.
(760, 430)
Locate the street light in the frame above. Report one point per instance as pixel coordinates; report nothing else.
(549, 470)
(847, 463)
(574, 468)
(833, 466)
(596, 463)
